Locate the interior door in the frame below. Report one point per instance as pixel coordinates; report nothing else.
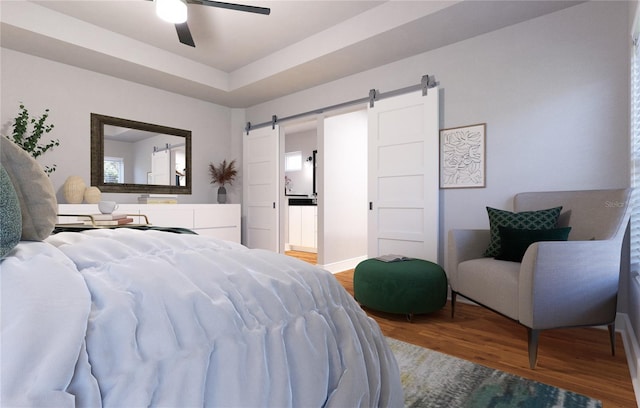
(161, 168)
(403, 185)
(261, 188)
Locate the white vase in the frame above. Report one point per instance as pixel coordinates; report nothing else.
(73, 189)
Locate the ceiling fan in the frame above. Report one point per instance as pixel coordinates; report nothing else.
(175, 11)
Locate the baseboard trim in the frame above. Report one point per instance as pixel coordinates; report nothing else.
(632, 351)
(343, 265)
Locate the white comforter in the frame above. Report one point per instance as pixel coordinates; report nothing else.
(127, 318)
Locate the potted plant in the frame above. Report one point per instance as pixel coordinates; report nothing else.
(223, 174)
(31, 143)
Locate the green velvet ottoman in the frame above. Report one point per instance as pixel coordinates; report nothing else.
(406, 287)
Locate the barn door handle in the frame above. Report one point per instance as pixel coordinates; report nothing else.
(274, 205)
(370, 205)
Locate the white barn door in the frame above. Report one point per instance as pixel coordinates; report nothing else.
(403, 182)
(161, 168)
(261, 188)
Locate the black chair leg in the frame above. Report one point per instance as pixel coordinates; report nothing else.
(453, 302)
(612, 337)
(532, 337)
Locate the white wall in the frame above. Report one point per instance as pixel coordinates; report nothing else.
(72, 94)
(553, 92)
(342, 194)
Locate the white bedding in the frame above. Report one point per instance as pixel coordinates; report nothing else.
(182, 320)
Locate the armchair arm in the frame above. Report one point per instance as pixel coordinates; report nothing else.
(464, 245)
(569, 283)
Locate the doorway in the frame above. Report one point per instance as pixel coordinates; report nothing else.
(299, 204)
(343, 190)
(378, 164)
(337, 216)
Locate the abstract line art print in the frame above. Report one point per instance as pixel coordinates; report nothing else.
(462, 156)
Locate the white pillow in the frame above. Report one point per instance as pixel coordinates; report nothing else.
(34, 189)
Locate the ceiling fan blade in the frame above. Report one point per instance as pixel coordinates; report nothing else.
(232, 6)
(184, 35)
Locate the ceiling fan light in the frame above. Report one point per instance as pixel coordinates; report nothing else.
(172, 11)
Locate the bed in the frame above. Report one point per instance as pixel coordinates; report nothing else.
(127, 318)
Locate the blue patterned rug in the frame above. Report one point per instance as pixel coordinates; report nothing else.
(432, 379)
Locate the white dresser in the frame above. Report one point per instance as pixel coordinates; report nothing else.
(216, 220)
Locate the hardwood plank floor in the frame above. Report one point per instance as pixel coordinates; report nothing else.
(310, 257)
(578, 360)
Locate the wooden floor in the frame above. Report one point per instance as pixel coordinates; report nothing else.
(310, 257)
(578, 360)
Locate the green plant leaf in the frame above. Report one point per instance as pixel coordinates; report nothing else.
(31, 142)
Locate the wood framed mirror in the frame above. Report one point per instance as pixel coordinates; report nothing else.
(128, 156)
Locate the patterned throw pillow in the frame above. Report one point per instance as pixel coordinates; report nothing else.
(533, 220)
(10, 215)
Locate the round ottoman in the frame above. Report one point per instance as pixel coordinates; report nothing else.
(407, 287)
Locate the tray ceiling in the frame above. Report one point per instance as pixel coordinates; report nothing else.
(243, 59)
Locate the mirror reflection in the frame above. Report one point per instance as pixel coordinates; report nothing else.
(130, 157)
(300, 162)
(141, 157)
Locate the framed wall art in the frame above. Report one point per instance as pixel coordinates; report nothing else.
(462, 156)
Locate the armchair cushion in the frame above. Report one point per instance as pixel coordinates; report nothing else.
(515, 241)
(491, 283)
(534, 220)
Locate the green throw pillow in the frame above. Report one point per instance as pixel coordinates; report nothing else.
(514, 241)
(535, 220)
(10, 215)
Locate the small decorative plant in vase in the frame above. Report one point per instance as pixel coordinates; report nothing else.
(30, 142)
(223, 174)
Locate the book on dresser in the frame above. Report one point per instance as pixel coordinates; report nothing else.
(118, 221)
(158, 199)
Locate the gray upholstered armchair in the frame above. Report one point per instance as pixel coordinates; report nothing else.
(557, 284)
